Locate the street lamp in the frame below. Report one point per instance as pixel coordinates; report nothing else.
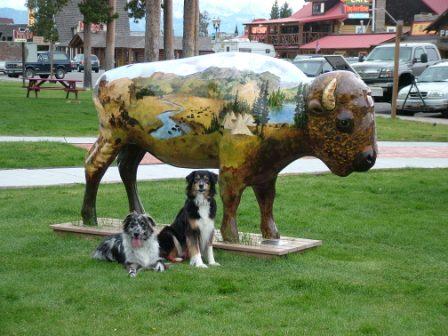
(216, 24)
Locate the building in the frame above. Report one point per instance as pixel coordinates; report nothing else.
(6, 21)
(440, 26)
(309, 29)
(129, 46)
(7, 31)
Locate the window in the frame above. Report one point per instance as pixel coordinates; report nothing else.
(327, 67)
(59, 57)
(360, 29)
(318, 8)
(418, 53)
(227, 48)
(248, 50)
(42, 58)
(432, 54)
(268, 51)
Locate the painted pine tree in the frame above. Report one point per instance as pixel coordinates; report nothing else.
(300, 117)
(264, 108)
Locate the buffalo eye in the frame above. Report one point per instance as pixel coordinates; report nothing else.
(344, 124)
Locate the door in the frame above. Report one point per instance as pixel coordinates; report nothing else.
(44, 64)
(418, 66)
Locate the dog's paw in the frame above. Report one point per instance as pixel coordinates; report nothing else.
(159, 267)
(201, 265)
(178, 259)
(132, 273)
(214, 264)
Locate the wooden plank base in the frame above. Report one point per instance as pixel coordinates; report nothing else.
(250, 243)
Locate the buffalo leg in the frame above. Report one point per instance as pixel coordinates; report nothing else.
(265, 194)
(128, 161)
(231, 191)
(101, 155)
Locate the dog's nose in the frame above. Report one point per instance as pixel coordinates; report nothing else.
(136, 234)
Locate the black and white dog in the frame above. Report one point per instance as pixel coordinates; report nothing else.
(136, 247)
(192, 232)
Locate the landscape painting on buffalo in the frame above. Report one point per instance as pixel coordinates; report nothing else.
(247, 115)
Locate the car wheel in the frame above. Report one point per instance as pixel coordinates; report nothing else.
(445, 114)
(29, 73)
(60, 73)
(97, 70)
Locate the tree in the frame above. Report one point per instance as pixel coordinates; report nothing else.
(137, 10)
(152, 30)
(275, 12)
(168, 35)
(300, 117)
(93, 11)
(196, 27)
(189, 23)
(204, 21)
(110, 37)
(236, 30)
(285, 11)
(260, 109)
(44, 23)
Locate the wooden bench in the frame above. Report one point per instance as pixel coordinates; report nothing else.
(67, 85)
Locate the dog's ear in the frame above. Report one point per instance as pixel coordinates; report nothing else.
(127, 221)
(190, 177)
(149, 220)
(214, 177)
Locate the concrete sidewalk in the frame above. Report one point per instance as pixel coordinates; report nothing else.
(392, 155)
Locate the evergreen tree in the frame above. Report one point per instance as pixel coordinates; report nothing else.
(93, 11)
(300, 117)
(44, 24)
(260, 109)
(275, 11)
(285, 11)
(204, 21)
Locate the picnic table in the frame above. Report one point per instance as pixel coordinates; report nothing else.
(67, 85)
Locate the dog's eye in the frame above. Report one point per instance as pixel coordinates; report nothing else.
(206, 178)
(196, 178)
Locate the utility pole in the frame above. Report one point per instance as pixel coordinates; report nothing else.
(393, 111)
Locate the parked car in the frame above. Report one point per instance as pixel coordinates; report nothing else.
(79, 62)
(61, 65)
(433, 87)
(2, 67)
(315, 65)
(378, 67)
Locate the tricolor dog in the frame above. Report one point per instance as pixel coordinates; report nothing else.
(191, 234)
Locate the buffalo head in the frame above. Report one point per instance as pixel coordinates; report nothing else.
(341, 122)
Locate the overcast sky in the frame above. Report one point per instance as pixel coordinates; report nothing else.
(257, 7)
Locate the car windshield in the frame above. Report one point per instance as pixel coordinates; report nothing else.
(434, 74)
(309, 68)
(387, 54)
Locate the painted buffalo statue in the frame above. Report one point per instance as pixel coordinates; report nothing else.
(247, 115)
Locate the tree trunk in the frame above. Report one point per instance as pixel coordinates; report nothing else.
(168, 35)
(196, 27)
(110, 39)
(51, 59)
(87, 54)
(188, 38)
(152, 34)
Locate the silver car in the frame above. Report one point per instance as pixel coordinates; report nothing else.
(433, 87)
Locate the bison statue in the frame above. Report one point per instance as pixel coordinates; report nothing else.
(247, 115)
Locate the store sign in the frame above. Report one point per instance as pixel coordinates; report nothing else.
(418, 28)
(22, 35)
(259, 30)
(357, 9)
(94, 28)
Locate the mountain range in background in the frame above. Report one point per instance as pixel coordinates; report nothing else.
(229, 18)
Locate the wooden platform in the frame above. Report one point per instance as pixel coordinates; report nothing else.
(250, 243)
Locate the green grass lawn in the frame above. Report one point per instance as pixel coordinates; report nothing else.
(382, 269)
(52, 115)
(49, 115)
(39, 155)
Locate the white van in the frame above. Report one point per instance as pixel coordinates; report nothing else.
(244, 45)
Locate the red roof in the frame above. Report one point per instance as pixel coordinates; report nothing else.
(6, 21)
(305, 15)
(438, 6)
(349, 41)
